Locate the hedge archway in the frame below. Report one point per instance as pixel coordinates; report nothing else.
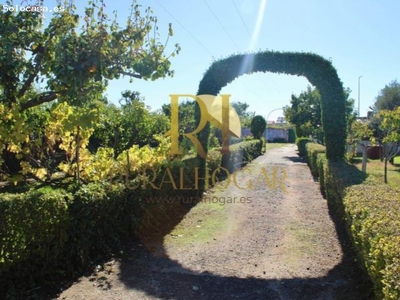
(319, 72)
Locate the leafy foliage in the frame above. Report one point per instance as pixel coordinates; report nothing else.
(391, 124)
(391, 127)
(241, 154)
(76, 63)
(47, 234)
(371, 212)
(185, 115)
(313, 150)
(130, 124)
(244, 115)
(42, 127)
(305, 113)
(389, 97)
(301, 145)
(317, 70)
(257, 126)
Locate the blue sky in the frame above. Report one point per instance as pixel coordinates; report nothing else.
(360, 37)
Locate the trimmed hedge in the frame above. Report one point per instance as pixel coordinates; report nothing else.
(33, 232)
(312, 151)
(371, 212)
(241, 154)
(301, 145)
(319, 72)
(49, 234)
(257, 126)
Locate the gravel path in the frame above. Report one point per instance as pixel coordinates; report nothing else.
(280, 243)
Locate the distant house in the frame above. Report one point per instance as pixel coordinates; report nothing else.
(276, 134)
(270, 134)
(246, 131)
(281, 121)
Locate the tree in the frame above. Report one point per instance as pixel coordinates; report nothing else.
(389, 138)
(73, 57)
(244, 115)
(76, 63)
(187, 122)
(257, 127)
(186, 118)
(305, 113)
(359, 132)
(388, 98)
(132, 123)
(390, 125)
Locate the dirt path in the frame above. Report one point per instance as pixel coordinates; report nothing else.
(279, 244)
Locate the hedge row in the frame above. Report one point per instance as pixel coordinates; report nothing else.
(242, 153)
(52, 233)
(48, 234)
(371, 211)
(319, 72)
(312, 152)
(301, 143)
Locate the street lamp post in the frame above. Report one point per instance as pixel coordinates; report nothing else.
(266, 126)
(359, 77)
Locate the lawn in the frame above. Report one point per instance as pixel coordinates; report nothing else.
(275, 145)
(375, 167)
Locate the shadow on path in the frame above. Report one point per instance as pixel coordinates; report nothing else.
(148, 268)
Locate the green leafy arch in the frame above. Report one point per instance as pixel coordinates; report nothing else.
(319, 72)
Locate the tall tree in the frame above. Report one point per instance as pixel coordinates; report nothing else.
(244, 115)
(305, 113)
(186, 118)
(389, 97)
(132, 123)
(390, 125)
(75, 62)
(72, 57)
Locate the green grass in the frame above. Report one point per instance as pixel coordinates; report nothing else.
(204, 222)
(208, 219)
(375, 167)
(275, 145)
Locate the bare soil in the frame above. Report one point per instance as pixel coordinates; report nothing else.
(280, 243)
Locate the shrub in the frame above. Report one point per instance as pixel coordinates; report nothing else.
(241, 154)
(33, 234)
(301, 145)
(235, 140)
(257, 126)
(47, 234)
(373, 212)
(322, 162)
(370, 211)
(312, 150)
(100, 218)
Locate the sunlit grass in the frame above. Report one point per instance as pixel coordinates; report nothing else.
(275, 145)
(375, 167)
